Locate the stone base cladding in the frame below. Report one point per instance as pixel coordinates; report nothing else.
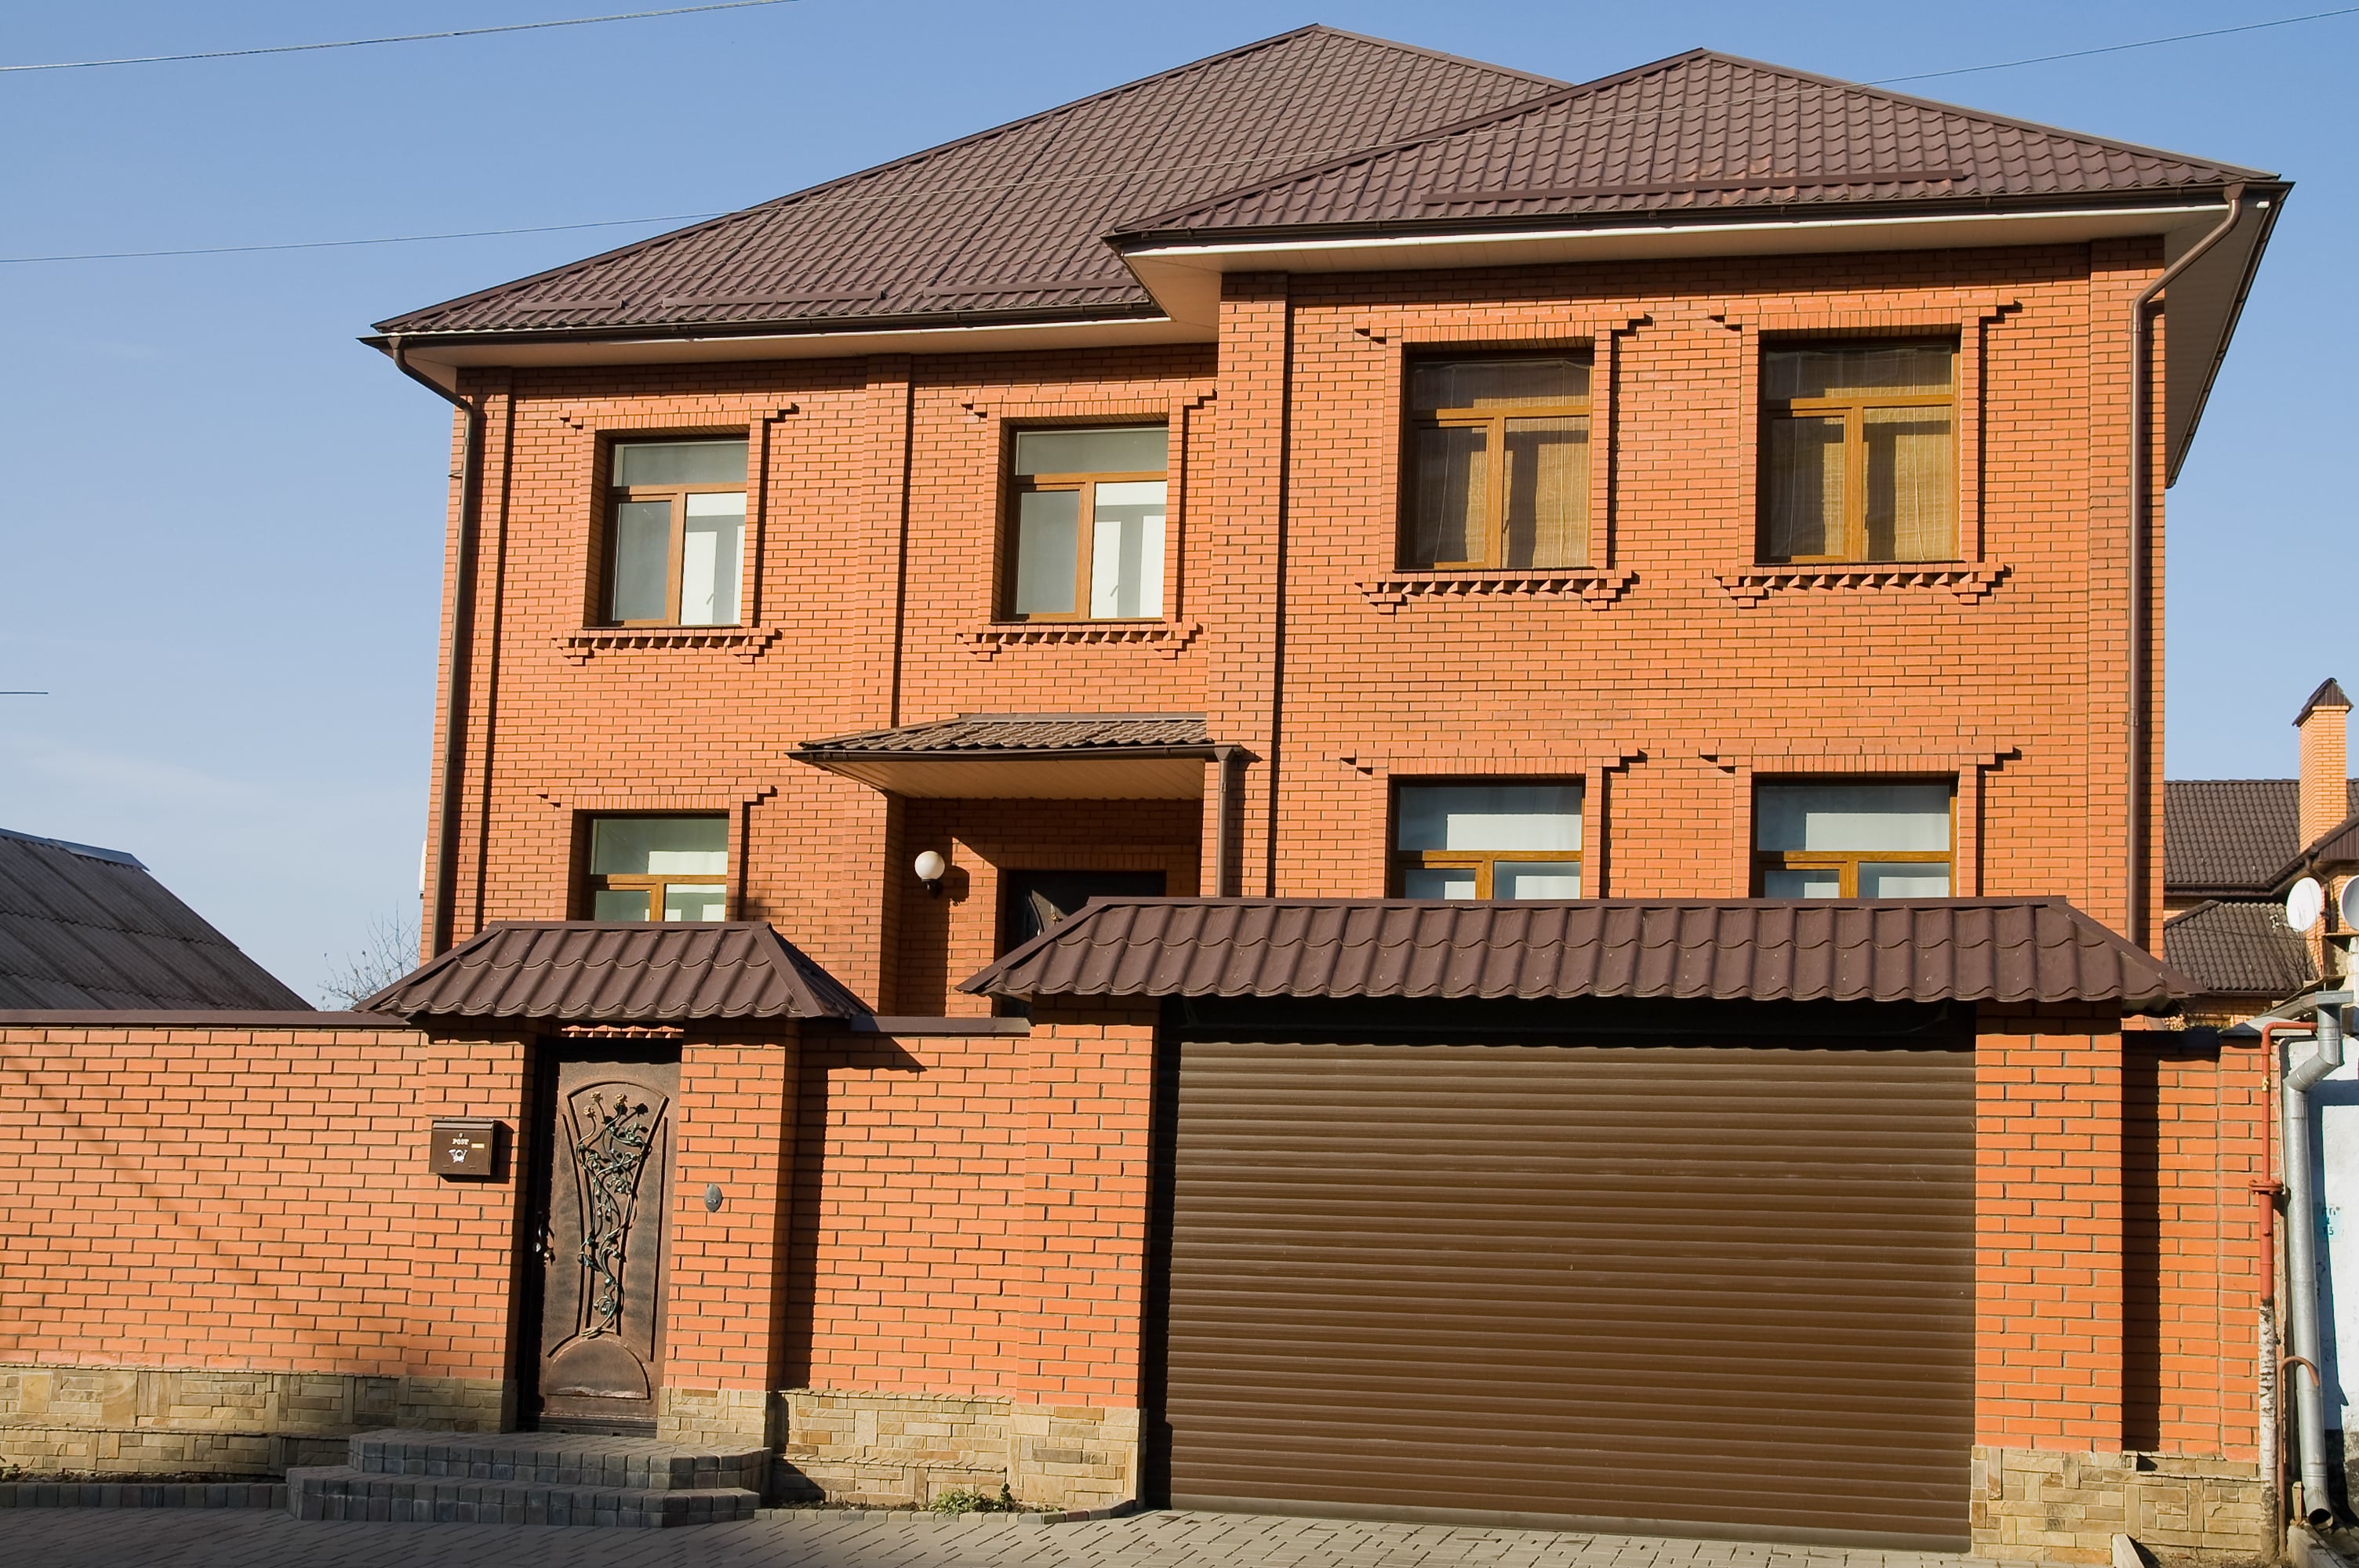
(2036, 1505)
(159, 1421)
(723, 1417)
(898, 1450)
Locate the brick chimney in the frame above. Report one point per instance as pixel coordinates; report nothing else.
(2325, 796)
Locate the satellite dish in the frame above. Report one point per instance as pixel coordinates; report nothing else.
(2348, 904)
(2304, 904)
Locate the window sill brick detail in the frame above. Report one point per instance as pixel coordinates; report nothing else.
(1968, 581)
(1167, 638)
(747, 643)
(1595, 587)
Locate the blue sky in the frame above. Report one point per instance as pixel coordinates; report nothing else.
(223, 517)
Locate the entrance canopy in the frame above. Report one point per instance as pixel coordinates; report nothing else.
(1028, 756)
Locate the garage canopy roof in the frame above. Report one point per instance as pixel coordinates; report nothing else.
(2007, 950)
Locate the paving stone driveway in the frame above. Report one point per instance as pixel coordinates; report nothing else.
(135, 1537)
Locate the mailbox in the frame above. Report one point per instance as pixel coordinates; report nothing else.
(465, 1146)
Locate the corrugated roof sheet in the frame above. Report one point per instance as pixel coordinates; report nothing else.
(610, 972)
(2227, 837)
(986, 732)
(2239, 947)
(1010, 219)
(83, 927)
(2005, 950)
(1696, 133)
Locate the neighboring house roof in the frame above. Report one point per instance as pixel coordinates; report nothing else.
(606, 972)
(84, 928)
(1027, 732)
(2239, 947)
(2004, 950)
(2226, 836)
(2338, 846)
(1012, 219)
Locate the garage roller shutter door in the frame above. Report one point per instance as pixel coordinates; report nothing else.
(1727, 1288)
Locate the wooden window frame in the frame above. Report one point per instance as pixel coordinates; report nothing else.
(1086, 552)
(678, 494)
(651, 883)
(1485, 863)
(1847, 862)
(1494, 421)
(1853, 408)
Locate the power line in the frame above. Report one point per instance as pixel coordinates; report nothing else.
(394, 39)
(2113, 48)
(378, 239)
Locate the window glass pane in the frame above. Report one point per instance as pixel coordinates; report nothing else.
(680, 462)
(1843, 370)
(1813, 881)
(1499, 384)
(1126, 551)
(708, 560)
(1536, 879)
(693, 900)
(644, 845)
(1806, 487)
(619, 903)
(1438, 882)
(1912, 487)
(1548, 493)
(1491, 816)
(1048, 550)
(1855, 817)
(643, 560)
(1130, 448)
(1897, 879)
(1453, 488)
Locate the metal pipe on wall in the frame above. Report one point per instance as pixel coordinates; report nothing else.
(439, 922)
(2301, 1253)
(2141, 502)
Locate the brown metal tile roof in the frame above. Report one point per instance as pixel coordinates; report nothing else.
(83, 927)
(1697, 133)
(989, 733)
(2006, 951)
(610, 972)
(2328, 695)
(2239, 947)
(2227, 837)
(2338, 846)
(1009, 221)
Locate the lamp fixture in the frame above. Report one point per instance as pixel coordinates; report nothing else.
(930, 868)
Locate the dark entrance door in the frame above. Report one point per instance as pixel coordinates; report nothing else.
(1037, 900)
(607, 1181)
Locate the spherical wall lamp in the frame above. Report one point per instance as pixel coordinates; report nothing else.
(930, 868)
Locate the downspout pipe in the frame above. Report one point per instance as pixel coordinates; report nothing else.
(2141, 504)
(440, 922)
(1226, 760)
(2301, 1252)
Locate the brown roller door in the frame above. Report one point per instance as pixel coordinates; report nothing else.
(1723, 1288)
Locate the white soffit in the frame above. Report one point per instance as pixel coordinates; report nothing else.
(1077, 777)
(1186, 278)
(689, 350)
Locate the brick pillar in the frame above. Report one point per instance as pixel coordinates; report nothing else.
(722, 1293)
(2324, 723)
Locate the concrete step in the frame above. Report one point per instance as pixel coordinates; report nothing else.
(559, 1459)
(345, 1492)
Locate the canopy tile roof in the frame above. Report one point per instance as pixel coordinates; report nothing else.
(2226, 836)
(587, 971)
(1697, 131)
(84, 928)
(1012, 219)
(985, 733)
(2003, 950)
(2239, 947)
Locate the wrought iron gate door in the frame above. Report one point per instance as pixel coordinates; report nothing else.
(602, 1245)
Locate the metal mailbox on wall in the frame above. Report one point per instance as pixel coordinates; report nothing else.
(465, 1146)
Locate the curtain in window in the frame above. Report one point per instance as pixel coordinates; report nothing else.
(1912, 485)
(1453, 486)
(1806, 487)
(1548, 493)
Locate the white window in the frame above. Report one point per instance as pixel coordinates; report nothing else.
(677, 548)
(1487, 840)
(1089, 525)
(659, 868)
(1853, 839)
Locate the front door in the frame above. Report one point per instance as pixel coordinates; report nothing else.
(607, 1184)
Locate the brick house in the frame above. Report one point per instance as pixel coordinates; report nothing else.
(1325, 475)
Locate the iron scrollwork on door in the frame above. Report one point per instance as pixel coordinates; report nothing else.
(610, 1153)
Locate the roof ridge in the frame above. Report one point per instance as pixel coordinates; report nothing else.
(971, 138)
(1616, 79)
